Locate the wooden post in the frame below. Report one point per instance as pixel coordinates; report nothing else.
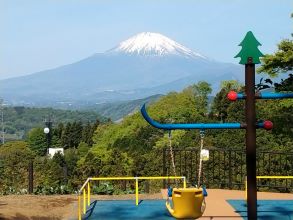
(147, 186)
(30, 177)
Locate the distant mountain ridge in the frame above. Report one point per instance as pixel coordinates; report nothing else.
(144, 65)
(116, 111)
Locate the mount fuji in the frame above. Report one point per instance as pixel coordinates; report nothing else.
(143, 65)
(153, 44)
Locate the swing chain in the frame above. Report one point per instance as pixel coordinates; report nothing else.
(172, 155)
(202, 133)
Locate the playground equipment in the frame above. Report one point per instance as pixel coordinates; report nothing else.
(267, 177)
(249, 55)
(200, 126)
(84, 194)
(187, 203)
(233, 96)
(193, 205)
(189, 211)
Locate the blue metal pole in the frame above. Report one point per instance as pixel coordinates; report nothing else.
(200, 126)
(276, 95)
(188, 126)
(266, 95)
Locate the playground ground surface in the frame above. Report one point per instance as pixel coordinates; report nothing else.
(59, 207)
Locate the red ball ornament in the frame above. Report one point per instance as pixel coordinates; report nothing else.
(268, 125)
(232, 96)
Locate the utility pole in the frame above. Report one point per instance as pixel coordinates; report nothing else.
(31, 176)
(2, 122)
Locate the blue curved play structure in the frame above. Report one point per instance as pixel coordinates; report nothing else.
(200, 126)
(188, 126)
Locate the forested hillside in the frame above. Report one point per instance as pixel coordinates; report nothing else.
(19, 120)
(117, 110)
(133, 147)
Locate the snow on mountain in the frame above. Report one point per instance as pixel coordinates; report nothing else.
(155, 44)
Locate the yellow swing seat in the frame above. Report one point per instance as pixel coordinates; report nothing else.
(187, 203)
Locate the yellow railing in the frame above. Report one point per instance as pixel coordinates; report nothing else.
(85, 191)
(267, 177)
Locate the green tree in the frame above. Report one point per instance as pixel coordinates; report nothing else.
(75, 134)
(83, 149)
(71, 158)
(118, 164)
(200, 91)
(72, 135)
(285, 85)
(66, 139)
(49, 174)
(232, 85)
(221, 104)
(279, 62)
(59, 130)
(14, 158)
(279, 111)
(88, 132)
(90, 166)
(21, 120)
(37, 141)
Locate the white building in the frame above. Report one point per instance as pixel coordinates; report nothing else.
(53, 151)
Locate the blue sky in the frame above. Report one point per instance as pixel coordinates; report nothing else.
(43, 34)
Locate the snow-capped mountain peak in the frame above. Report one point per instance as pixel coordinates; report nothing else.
(153, 44)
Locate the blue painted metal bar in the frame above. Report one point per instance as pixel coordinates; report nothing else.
(188, 126)
(241, 96)
(266, 95)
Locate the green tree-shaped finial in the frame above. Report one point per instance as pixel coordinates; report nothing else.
(249, 49)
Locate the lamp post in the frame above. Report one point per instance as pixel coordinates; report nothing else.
(48, 132)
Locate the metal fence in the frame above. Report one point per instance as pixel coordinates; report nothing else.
(227, 168)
